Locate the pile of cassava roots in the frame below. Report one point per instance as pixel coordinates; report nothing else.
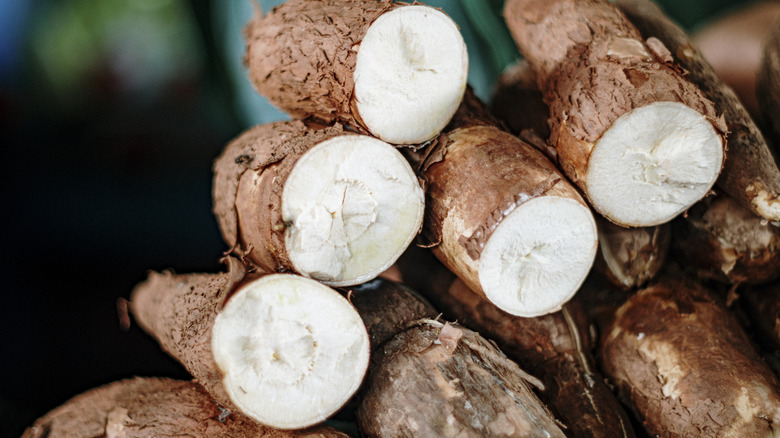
(593, 254)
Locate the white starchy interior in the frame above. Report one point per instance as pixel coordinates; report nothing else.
(291, 350)
(538, 256)
(653, 163)
(410, 74)
(352, 205)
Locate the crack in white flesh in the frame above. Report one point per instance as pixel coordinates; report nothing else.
(410, 74)
(353, 205)
(653, 163)
(538, 256)
(291, 350)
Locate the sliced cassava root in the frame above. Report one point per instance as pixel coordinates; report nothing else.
(334, 206)
(284, 350)
(503, 218)
(641, 141)
(436, 379)
(395, 71)
(750, 174)
(630, 257)
(153, 407)
(686, 367)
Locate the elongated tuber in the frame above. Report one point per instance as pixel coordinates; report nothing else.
(503, 218)
(283, 350)
(331, 205)
(554, 348)
(750, 174)
(687, 368)
(722, 240)
(630, 257)
(154, 407)
(641, 141)
(442, 380)
(393, 70)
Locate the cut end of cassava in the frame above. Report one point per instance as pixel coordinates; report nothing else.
(291, 350)
(653, 163)
(410, 74)
(538, 256)
(352, 205)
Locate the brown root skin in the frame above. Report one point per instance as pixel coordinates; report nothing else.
(439, 379)
(767, 89)
(302, 55)
(724, 241)
(179, 312)
(686, 367)
(593, 67)
(750, 174)
(461, 215)
(388, 308)
(144, 407)
(554, 348)
(630, 257)
(248, 179)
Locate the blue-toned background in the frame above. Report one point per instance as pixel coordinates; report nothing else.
(111, 112)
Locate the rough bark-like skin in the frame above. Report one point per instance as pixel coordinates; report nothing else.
(727, 242)
(767, 88)
(687, 368)
(519, 103)
(437, 380)
(179, 312)
(630, 257)
(388, 308)
(554, 348)
(473, 172)
(153, 407)
(249, 177)
(302, 55)
(749, 168)
(762, 305)
(593, 67)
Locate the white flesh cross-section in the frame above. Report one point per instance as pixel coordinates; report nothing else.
(652, 164)
(352, 205)
(538, 256)
(291, 350)
(410, 74)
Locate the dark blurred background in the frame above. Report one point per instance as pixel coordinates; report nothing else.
(111, 113)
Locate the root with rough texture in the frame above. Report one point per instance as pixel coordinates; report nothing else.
(555, 348)
(503, 218)
(154, 407)
(727, 242)
(331, 205)
(284, 350)
(630, 257)
(750, 174)
(443, 380)
(687, 368)
(393, 70)
(641, 141)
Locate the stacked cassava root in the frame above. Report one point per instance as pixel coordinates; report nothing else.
(387, 146)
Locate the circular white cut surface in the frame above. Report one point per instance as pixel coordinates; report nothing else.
(410, 74)
(538, 256)
(291, 350)
(653, 163)
(352, 204)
